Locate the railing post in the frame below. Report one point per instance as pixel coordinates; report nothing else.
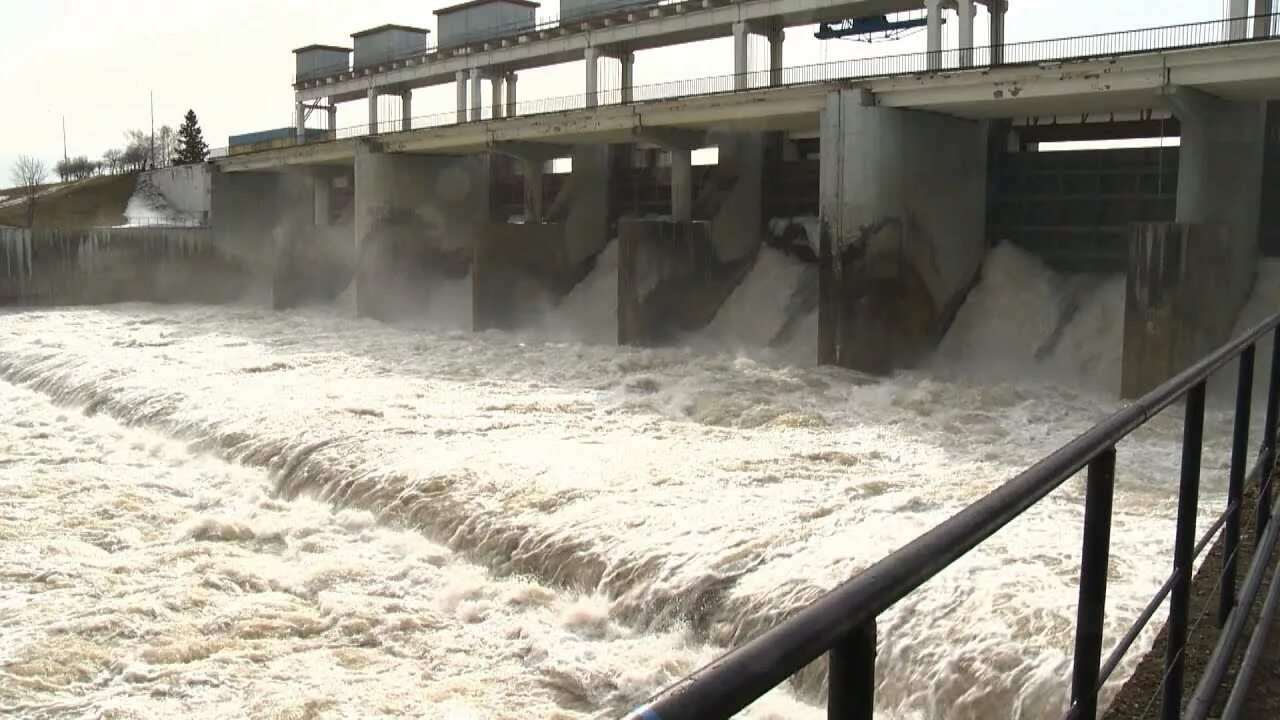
(1183, 544)
(1262, 513)
(1235, 483)
(1094, 558)
(851, 675)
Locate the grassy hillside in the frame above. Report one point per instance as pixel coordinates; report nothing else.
(92, 202)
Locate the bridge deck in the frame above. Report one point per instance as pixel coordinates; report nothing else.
(1072, 89)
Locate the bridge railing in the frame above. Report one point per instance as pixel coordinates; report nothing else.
(1080, 47)
(842, 623)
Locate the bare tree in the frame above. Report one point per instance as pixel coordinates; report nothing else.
(27, 175)
(111, 162)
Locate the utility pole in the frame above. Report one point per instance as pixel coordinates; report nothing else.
(153, 129)
(64, 138)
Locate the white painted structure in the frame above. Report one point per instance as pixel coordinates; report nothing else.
(613, 34)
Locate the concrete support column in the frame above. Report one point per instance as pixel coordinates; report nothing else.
(406, 110)
(496, 90)
(534, 209)
(591, 56)
(740, 57)
(966, 11)
(776, 37)
(477, 104)
(997, 9)
(1237, 11)
(461, 78)
(332, 112)
(681, 184)
(415, 220)
(1262, 9)
(511, 94)
(628, 61)
(300, 122)
(373, 111)
(323, 187)
(934, 10)
(902, 198)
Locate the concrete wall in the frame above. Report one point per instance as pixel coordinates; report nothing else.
(187, 187)
(1220, 177)
(671, 279)
(737, 194)
(902, 198)
(417, 217)
(256, 217)
(1180, 301)
(105, 265)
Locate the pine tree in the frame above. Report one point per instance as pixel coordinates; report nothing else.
(191, 145)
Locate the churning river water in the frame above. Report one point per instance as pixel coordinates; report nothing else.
(228, 511)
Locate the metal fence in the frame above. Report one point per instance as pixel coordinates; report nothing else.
(1081, 47)
(842, 623)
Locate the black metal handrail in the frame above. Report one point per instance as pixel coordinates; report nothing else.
(842, 623)
(1073, 48)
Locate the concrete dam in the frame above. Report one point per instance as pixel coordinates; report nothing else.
(539, 414)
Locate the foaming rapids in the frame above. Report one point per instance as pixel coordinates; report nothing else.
(1024, 321)
(675, 499)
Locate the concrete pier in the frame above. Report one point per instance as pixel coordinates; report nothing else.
(902, 213)
(1181, 300)
(416, 219)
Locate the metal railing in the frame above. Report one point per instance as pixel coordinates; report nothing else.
(1075, 48)
(842, 623)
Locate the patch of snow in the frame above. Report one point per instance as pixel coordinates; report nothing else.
(148, 206)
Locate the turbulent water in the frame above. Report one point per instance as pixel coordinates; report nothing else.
(213, 511)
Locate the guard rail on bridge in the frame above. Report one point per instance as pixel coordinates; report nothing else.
(842, 623)
(1082, 47)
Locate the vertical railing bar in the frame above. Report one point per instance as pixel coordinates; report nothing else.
(1184, 540)
(1263, 511)
(851, 675)
(1235, 483)
(1094, 560)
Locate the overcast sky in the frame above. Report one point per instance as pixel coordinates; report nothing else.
(96, 61)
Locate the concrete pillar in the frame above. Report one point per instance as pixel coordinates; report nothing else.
(587, 221)
(1262, 10)
(740, 57)
(416, 218)
(477, 104)
(462, 95)
(323, 187)
(776, 37)
(333, 120)
(496, 90)
(966, 10)
(373, 111)
(737, 209)
(681, 184)
(534, 210)
(511, 94)
(1180, 300)
(1237, 12)
(406, 110)
(997, 9)
(300, 122)
(1220, 171)
(628, 61)
(934, 26)
(592, 85)
(902, 197)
